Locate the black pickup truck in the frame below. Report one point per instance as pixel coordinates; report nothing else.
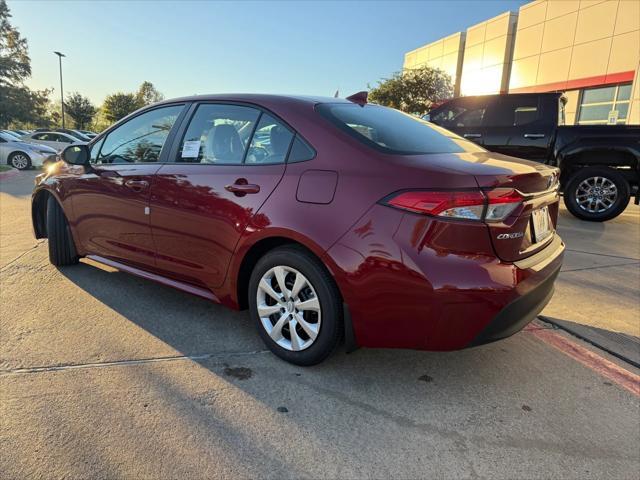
(599, 164)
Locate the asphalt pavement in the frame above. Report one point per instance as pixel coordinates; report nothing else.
(105, 375)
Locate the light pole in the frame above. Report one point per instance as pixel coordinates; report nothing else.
(60, 55)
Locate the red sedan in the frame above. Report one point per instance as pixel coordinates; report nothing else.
(326, 218)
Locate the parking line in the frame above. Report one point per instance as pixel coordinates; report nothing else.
(626, 379)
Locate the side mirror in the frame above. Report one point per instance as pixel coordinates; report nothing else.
(76, 155)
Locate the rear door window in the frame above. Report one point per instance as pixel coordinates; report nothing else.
(270, 143)
(513, 112)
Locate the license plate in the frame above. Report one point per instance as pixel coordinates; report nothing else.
(541, 224)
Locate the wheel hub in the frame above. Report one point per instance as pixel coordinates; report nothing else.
(596, 194)
(289, 308)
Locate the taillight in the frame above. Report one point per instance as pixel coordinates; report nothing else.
(501, 202)
(491, 206)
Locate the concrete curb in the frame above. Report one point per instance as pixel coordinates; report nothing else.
(11, 173)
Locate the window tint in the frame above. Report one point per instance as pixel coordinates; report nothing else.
(300, 151)
(454, 115)
(64, 139)
(392, 131)
(40, 136)
(270, 142)
(141, 139)
(514, 111)
(218, 134)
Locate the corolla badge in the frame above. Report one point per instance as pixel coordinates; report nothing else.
(506, 236)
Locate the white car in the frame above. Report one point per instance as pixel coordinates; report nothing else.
(57, 140)
(22, 155)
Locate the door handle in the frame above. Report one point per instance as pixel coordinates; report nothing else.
(472, 135)
(534, 135)
(241, 187)
(137, 185)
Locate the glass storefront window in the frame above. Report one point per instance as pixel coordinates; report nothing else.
(597, 104)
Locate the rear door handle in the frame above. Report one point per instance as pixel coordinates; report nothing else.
(137, 185)
(472, 135)
(241, 187)
(534, 135)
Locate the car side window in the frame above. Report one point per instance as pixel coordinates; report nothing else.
(270, 142)
(40, 136)
(218, 134)
(457, 115)
(95, 150)
(300, 151)
(514, 111)
(139, 140)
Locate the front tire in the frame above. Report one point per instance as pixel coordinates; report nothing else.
(296, 306)
(20, 160)
(62, 250)
(597, 194)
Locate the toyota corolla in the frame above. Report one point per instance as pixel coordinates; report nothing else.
(328, 219)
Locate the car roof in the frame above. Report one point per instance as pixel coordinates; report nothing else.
(257, 98)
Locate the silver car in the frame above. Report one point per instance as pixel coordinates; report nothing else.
(57, 140)
(22, 155)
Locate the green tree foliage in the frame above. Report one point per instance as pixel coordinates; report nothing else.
(119, 105)
(80, 109)
(18, 104)
(413, 91)
(147, 94)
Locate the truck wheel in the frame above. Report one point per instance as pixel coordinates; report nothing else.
(596, 194)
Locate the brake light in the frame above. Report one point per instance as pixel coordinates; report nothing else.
(491, 206)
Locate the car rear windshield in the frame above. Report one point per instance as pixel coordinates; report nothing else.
(392, 131)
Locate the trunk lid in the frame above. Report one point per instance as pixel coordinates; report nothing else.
(532, 225)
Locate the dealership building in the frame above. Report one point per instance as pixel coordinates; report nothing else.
(589, 49)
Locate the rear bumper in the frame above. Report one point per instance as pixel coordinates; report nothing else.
(420, 289)
(517, 314)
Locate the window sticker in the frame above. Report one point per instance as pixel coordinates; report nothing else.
(191, 149)
(613, 117)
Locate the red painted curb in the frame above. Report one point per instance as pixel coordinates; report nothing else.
(11, 173)
(626, 379)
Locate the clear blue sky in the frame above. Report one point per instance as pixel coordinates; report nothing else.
(208, 47)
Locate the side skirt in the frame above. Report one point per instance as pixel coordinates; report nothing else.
(185, 287)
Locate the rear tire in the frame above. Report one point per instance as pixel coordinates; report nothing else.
(62, 250)
(596, 194)
(314, 312)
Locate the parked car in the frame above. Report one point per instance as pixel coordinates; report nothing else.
(600, 164)
(87, 133)
(20, 133)
(353, 220)
(56, 140)
(22, 155)
(77, 134)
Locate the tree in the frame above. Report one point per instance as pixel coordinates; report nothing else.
(147, 94)
(119, 105)
(17, 102)
(413, 91)
(80, 109)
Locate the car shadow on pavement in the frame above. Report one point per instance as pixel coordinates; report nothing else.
(253, 404)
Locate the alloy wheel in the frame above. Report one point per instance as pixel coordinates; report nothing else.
(289, 308)
(596, 194)
(20, 161)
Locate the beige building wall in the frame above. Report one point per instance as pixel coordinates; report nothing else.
(445, 54)
(575, 44)
(487, 56)
(550, 45)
